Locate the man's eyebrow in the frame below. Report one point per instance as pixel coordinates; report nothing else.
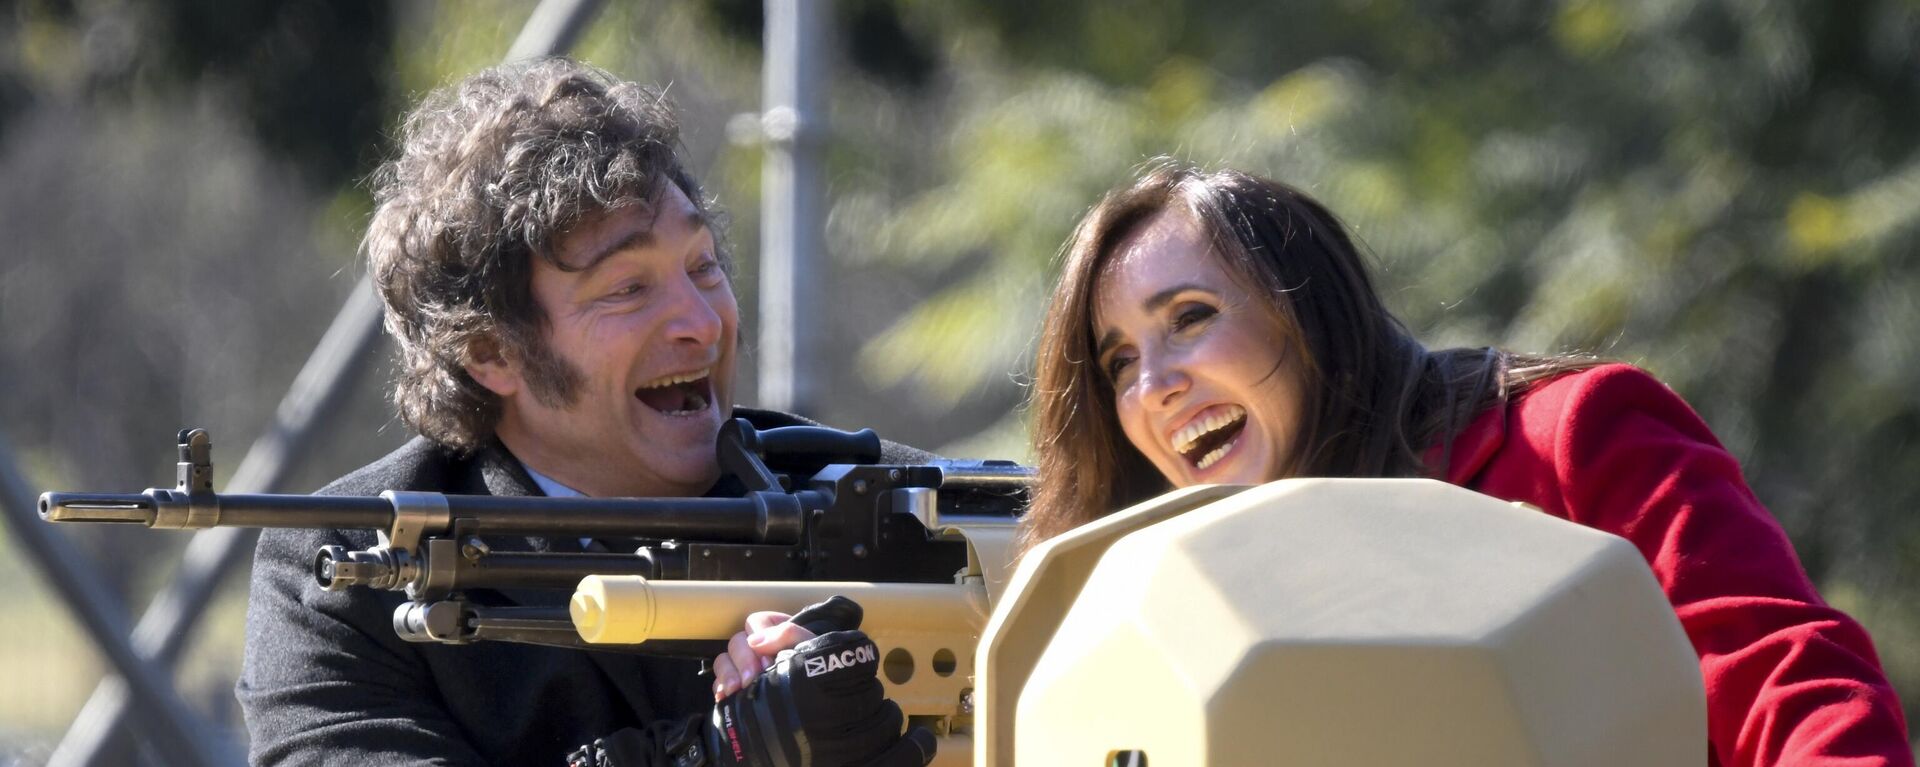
(637, 239)
(1154, 303)
(698, 221)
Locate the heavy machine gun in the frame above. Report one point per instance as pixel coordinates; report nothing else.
(1305, 621)
(818, 506)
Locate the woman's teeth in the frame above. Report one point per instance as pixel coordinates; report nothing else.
(1213, 457)
(1208, 439)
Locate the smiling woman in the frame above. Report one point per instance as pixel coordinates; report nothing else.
(1222, 328)
(1204, 382)
(1225, 311)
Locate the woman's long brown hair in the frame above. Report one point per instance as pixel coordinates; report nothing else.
(1377, 397)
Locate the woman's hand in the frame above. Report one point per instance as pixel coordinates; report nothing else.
(751, 652)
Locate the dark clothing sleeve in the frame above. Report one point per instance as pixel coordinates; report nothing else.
(321, 685)
(326, 680)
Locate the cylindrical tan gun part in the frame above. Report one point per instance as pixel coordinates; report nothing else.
(629, 609)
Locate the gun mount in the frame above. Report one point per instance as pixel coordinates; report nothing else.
(1300, 622)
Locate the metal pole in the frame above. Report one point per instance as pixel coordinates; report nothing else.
(169, 725)
(317, 392)
(553, 28)
(319, 389)
(792, 204)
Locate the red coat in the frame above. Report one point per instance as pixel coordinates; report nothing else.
(1789, 680)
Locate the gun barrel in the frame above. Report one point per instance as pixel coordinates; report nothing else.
(775, 519)
(344, 512)
(164, 508)
(96, 507)
(986, 475)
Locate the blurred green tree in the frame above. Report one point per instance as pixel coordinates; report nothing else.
(1723, 191)
(1727, 193)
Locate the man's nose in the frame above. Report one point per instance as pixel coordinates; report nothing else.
(694, 319)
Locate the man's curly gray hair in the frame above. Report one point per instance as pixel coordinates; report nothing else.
(491, 172)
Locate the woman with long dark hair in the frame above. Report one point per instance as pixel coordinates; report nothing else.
(1222, 328)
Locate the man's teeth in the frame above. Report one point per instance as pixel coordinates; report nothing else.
(695, 404)
(1191, 433)
(677, 379)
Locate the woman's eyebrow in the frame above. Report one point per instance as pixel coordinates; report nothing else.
(1154, 303)
(1107, 342)
(1159, 300)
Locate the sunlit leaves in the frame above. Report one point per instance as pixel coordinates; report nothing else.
(1589, 28)
(1727, 192)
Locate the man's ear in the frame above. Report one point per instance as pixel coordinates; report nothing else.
(492, 369)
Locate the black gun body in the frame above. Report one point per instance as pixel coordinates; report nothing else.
(839, 522)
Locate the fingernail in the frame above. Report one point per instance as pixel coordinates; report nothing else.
(755, 638)
(719, 690)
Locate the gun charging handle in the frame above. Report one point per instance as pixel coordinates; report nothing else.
(190, 504)
(335, 568)
(743, 450)
(837, 613)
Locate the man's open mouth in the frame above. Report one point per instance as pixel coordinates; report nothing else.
(1205, 441)
(682, 394)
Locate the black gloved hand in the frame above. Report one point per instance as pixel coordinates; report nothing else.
(822, 700)
(820, 704)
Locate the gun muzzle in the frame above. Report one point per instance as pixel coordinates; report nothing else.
(96, 507)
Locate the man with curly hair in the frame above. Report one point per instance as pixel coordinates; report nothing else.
(558, 284)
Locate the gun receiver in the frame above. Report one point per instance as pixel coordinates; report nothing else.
(818, 506)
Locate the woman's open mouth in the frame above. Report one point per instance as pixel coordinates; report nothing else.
(1208, 439)
(682, 394)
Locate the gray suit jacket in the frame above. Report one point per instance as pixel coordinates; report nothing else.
(326, 681)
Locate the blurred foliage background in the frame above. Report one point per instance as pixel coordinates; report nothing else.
(1726, 192)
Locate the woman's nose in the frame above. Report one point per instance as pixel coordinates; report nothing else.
(1162, 382)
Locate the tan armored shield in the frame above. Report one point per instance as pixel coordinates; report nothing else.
(1337, 622)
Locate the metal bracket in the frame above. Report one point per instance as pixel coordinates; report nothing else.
(922, 502)
(414, 513)
(191, 504)
(444, 622)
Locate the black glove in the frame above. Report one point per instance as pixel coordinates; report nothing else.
(821, 703)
